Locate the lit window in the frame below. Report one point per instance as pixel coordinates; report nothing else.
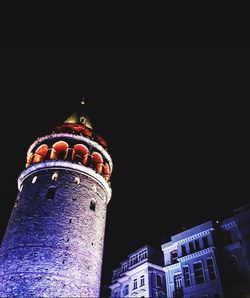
(142, 281)
(77, 180)
(82, 120)
(34, 179)
(186, 275)
(211, 269)
(198, 273)
(92, 205)
(178, 281)
(54, 176)
(51, 193)
(158, 280)
(135, 284)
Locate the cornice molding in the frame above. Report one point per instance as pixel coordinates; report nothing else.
(233, 246)
(228, 226)
(175, 244)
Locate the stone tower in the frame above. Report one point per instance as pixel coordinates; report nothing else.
(53, 245)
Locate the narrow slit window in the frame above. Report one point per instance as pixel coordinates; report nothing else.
(54, 176)
(92, 205)
(34, 179)
(51, 193)
(77, 180)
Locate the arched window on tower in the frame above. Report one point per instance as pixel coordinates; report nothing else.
(97, 161)
(106, 171)
(51, 193)
(81, 154)
(29, 159)
(92, 204)
(59, 150)
(40, 153)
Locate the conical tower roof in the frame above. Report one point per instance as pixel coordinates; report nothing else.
(80, 116)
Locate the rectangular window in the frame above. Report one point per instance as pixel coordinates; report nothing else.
(135, 284)
(186, 274)
(198, 273)
(125, 290)
(232, 264)
(124, 267)
(197, 245)
(133, 260)
(227, 238)
(174, 256)
(51, 193)
(177, 281)
(191, 247)
(142, 255)
(205, 242)
(158, 280)
(211, 269)
(92, 205)
(142, 281)
(116, 294)
(183, 250)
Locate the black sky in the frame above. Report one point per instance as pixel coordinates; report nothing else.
(175, 116)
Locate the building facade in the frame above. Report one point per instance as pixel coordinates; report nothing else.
(210, 260)
(140, 275)
(53, 244)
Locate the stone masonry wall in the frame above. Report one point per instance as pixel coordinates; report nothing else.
(54, 248)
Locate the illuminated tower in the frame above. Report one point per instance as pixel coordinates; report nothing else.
(53, 244)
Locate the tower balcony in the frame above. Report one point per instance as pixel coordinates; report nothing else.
(76, 149)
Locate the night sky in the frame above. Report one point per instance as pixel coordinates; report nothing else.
(175, 116)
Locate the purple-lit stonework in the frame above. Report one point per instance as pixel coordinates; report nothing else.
(53, 244)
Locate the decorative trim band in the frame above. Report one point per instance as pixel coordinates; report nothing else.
(59, 164)
(172, 267)
(228, 226)
(233, 246)
(197, 254)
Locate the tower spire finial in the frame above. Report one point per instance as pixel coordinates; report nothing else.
(83, 100)
(80, 115)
